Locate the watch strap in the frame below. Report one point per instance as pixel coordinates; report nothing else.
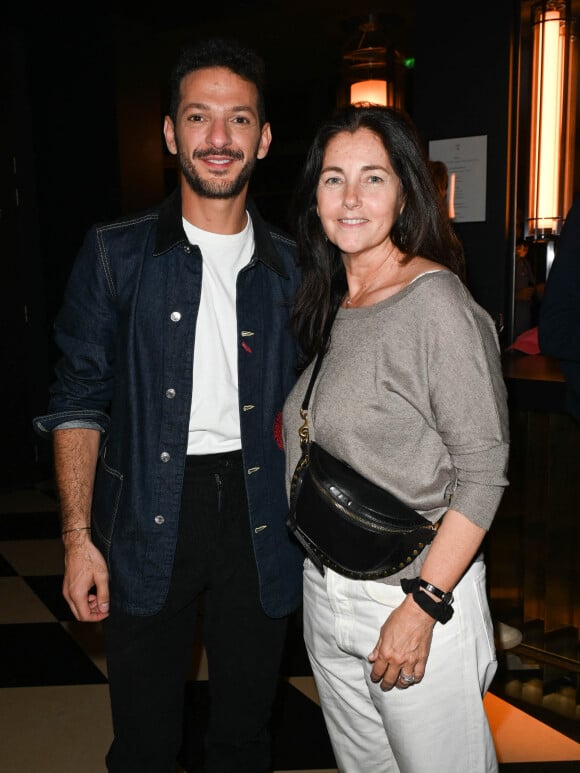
(445, 596)
(442, 611)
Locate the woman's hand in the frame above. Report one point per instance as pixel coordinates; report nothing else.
(405, 638)
(400, 655)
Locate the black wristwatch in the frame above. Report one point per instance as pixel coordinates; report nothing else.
(447, 598)
(442, 611)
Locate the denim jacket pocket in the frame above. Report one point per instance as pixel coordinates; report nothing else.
(106, 498)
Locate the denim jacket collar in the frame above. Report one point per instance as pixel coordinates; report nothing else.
(170, 232)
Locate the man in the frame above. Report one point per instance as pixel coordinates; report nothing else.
(559, 325)
(165, 415)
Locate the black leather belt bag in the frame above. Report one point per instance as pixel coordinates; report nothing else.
(349, 524)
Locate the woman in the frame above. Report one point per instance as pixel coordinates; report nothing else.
(410, 394)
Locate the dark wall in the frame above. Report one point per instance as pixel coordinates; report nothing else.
(58, 150)
(462, 88)
(23, 343)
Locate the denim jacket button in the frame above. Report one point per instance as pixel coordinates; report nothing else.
(170, 393)
(175, 316)
(165, 457)
(159, 520)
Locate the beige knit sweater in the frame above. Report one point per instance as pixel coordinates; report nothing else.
(411, 394)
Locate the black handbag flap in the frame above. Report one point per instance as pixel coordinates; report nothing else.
(359, 496)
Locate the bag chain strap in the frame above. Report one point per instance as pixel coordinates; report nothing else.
(303, 432)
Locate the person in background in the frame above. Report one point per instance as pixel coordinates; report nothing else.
(445, 185)
(411, 395)
(166, 419)
(559, 325)
(440, 176)
(527, 291)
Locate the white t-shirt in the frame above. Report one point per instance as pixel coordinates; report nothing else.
(214, 424)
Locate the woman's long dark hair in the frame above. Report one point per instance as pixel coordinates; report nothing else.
(422, 228)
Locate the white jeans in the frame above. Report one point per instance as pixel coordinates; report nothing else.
(436, 726)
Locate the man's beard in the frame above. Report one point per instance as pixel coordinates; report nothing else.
(216, 188)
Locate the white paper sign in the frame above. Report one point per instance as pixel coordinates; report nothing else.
(466, 159)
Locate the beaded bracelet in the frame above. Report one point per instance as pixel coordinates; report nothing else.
(79, 528)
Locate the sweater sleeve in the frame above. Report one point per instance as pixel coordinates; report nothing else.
(469, 401)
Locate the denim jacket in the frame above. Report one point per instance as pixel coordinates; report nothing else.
(126, 332)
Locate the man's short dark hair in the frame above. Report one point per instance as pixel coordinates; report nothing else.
(218, 52)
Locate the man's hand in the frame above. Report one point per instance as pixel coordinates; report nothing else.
(86, 579)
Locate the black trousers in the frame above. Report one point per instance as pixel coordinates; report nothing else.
(148, 658)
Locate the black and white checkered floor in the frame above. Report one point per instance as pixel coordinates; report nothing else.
(54, 715)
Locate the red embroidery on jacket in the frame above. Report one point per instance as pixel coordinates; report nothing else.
(245, 347)
(278, 431)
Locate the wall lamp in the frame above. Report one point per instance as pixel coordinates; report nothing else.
(372, 70)
(553, 118)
